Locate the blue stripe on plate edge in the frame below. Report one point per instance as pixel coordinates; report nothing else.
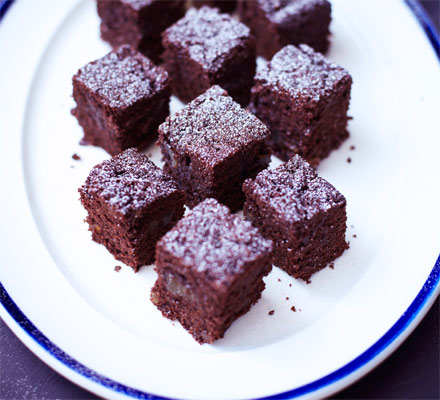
(396, 330)
(4, 5)
(427, 24)
(428, 288)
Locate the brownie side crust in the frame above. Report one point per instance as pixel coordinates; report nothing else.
(206, 48)
(211, 146)
(131, 203)
(121, 99)
(303, 99)
(210, 268)
(302, 213)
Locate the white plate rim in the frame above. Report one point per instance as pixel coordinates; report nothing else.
(73, 370)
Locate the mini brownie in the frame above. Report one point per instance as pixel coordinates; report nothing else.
(211, 146)
(222, 5)
(120, 100)
(210, 269)
(131, 203)
(303, 99)
(302, 213)
(276, 23)
(138, 23)
(206, 48)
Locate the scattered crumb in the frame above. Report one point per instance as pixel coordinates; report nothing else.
(355, 236)
(308, 281)
(118, 268)
(287, 298)
(290, 285)
(332, 265)
(279, 280)
(352, 147)
(349, 160)
(293, 308)
(76, 157)
(299, 309)
(271, 312)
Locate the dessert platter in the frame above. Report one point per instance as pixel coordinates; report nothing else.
(274, 234)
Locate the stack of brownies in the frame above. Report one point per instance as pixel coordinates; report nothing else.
(211, 262)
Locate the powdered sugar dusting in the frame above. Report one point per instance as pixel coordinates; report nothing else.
(281, 11)
(208, 35)
(212, 127)
(302, 72)
(294, 190)
(214, 241)
(128, 182)
(138, 4)
(122, 77)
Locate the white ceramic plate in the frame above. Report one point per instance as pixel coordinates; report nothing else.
(62, 297)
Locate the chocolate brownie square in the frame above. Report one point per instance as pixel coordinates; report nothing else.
(131, 204)
(121, 99)
(206, 48)
(222, 5)
(211, 146)
(276, 23)
(210, 269)
(302, 213)
(303, 99)
(138, 23)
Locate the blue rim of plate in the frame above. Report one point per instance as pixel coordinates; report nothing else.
(372, 352)
(4, 5)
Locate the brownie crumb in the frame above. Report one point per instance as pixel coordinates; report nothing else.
(76, 157)
(290, 285)
(271, 312)
(287, 298)
(355, 236)
(279, 280)
(308, 281)
(332, 265)
(293, 308)
(349, 160)
(352, 147)
(118, 268)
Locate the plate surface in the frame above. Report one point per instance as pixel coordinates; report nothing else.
(63, 292)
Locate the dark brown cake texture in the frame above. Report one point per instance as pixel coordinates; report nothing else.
(121, 99)
(206, 48)
(222, 5)
(211, 146)
(303, 99)
(131, 203)
(210, 270)
(302, 213)
(276, 23)
(138, 23)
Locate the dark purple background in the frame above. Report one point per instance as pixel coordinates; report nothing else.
(412, 372)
